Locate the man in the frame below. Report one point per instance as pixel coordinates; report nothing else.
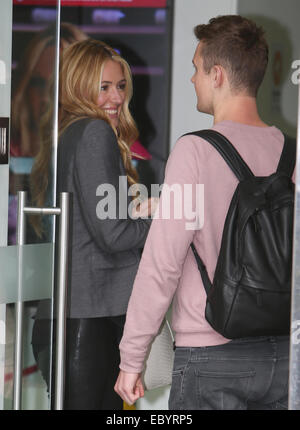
(210, 372)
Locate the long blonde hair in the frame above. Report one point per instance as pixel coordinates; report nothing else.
(81, 69)
(80, 75)
(24, 127)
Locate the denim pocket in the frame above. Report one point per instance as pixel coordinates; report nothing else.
(175, 399)
(223, 389)
(225, 374)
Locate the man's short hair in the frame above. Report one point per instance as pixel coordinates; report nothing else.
(237, 44)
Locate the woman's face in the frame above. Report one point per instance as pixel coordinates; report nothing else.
(112, 90)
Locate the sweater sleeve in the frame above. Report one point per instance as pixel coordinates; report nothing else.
(164, 254)
(97, 176)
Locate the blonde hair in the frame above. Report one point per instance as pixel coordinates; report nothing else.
(24, 129)
(80, 74)
(79, 92)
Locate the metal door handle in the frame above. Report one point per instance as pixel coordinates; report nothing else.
(63, 212)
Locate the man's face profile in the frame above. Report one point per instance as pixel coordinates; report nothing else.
(202, 82)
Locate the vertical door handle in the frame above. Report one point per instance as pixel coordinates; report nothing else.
(62, 276)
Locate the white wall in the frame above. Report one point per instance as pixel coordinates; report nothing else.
(282, 32)
(188, 14)
(280, 19)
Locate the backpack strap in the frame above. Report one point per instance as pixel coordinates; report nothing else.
(288, 156)
(202, 269)
(227, 151)
(241, 170)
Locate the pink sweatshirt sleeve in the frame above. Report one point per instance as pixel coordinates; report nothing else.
(163, 257)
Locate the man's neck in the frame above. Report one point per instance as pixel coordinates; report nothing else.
(241, 109)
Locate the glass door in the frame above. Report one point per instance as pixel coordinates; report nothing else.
(31, 371)
(27, 251)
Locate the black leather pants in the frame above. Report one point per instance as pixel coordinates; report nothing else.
(92, 363)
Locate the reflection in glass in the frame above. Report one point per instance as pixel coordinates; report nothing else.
(36, 272)
(36, 275)
(32, 113)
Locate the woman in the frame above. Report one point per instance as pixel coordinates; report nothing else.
(96, 131)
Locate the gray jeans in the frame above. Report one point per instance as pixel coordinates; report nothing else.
(250, 373)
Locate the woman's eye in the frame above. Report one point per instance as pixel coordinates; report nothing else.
(104, 87)
(122, 87)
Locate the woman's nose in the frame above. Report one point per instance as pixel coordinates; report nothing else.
(116, 96)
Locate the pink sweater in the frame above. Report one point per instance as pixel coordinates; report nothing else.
(168, 269)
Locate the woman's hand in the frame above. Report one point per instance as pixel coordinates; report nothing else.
(145, 208)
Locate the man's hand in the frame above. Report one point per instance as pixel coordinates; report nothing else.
(129, 386)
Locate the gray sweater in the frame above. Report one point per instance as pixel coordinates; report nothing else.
(105, 253)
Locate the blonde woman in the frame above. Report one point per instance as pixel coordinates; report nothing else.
(96, 131)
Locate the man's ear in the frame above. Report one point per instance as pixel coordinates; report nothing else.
(218, 76)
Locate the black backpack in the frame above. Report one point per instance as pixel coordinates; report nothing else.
(251, 290)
